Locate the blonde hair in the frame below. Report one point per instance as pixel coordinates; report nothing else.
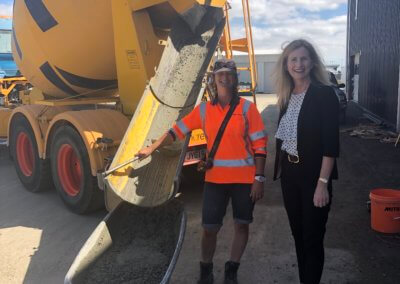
(283, 81)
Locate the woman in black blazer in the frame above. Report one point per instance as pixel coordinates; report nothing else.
(307, 144)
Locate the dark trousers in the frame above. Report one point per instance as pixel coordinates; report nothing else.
(307, 222)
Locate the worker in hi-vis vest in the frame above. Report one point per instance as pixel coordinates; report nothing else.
(236, 169)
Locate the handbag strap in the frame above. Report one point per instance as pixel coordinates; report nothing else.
(218, 138)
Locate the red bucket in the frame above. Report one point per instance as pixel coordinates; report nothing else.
(385, 210)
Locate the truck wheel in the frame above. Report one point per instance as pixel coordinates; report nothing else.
(70, 167)
(33, 172)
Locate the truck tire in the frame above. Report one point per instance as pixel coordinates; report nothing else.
(33, 172)
(72, 177)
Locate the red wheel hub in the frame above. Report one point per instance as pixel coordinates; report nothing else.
(69, 170)
(25, 156)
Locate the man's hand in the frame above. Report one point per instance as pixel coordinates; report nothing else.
(257, 191)
(321, 195)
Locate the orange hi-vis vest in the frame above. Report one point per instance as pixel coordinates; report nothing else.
(244, 136)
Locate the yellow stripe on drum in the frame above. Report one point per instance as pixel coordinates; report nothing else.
(134, 140)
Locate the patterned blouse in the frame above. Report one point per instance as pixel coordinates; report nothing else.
(287, 130)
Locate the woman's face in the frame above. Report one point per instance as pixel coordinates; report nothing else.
(299, 64)
(224, 81)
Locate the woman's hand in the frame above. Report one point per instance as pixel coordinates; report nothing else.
(321, 195)
(257, 191)
(164, 140)
(145, 152)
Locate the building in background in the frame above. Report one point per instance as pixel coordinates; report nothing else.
(5, 35)
(5, 40)
(265, 66)
(373, 58)
(8, 68)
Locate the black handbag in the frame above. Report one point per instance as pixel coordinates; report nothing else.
(208, 163)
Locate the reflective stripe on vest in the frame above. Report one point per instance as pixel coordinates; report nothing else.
(234, 163)
(257, 135)
(246, 106)
(182, 127)
(203, 117)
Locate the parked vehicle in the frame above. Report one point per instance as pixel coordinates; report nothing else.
(7, 66)
(341, 96)
(245, 89)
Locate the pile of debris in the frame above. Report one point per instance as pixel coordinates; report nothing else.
(373, 131)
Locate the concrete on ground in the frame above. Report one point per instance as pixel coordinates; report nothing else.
(39, 237)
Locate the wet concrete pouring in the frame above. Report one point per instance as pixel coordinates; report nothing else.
(142, 247)
(354, 252)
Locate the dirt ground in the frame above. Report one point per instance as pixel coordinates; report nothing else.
(39, 237)
(354, 252)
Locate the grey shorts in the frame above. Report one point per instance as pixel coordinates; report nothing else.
(215, 201)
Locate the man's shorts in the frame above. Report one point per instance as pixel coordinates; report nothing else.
(216, 198)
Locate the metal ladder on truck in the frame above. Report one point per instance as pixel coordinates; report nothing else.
(242, 44)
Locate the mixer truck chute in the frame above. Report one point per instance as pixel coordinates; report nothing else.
(170, 95)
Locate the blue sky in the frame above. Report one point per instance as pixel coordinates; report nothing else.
(5, 7)
(5, 10)
(275, 22)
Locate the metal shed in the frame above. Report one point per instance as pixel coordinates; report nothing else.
(265, 67)
(373, 57)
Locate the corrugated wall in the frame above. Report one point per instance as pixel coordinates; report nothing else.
(376, 34)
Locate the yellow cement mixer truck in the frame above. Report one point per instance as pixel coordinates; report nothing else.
(108, 77)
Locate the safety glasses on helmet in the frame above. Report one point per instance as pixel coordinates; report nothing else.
(224, 64)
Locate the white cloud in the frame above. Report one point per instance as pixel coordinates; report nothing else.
(262, 9)
(6, 9)
(275, 22)
(314, 5)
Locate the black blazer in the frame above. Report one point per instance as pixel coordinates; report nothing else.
(317, 132)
